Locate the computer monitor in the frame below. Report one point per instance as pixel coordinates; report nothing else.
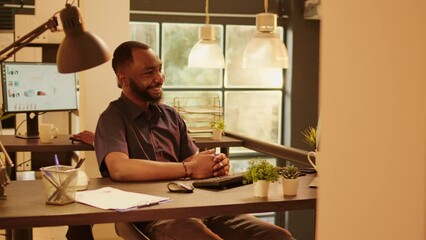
(35, 88)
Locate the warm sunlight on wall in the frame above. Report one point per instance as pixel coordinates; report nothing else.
(110, 21)
(372, 159)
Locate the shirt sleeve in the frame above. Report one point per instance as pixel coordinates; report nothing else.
(109, 137)
(187, 146)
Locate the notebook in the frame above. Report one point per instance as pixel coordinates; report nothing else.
(222, 182)
(116, 199)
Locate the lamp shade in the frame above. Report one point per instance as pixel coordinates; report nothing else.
(79, 50)
(206, 53)
(265, 49)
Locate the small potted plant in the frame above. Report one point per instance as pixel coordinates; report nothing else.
(261, 172)
(310, 135)
(290, 179)
(218, 128)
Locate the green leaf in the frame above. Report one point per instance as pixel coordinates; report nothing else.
(310, 135)
(261, 169)
(218, 124)
(289, 172)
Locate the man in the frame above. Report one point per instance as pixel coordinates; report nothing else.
(137, 138)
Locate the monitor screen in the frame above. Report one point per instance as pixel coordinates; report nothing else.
(37, 87)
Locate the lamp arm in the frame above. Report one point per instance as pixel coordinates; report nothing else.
(51, 24)
(8, 160)
(4, 181)
(4, 177)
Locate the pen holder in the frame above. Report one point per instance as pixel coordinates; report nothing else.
(60, 184)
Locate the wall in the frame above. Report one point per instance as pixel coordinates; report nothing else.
(301, 103)
(372, 147)
(109, 19)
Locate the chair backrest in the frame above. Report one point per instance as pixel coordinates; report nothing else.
(129, 231)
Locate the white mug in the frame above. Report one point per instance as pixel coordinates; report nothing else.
(47, 132)
(314, 154)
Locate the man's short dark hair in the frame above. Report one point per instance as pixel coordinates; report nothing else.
(123, 55)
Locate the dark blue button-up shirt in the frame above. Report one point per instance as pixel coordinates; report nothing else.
(160, 135)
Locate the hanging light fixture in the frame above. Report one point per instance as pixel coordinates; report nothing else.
(206, 53)
(265, 49)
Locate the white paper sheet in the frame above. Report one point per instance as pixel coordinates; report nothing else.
(111, 198)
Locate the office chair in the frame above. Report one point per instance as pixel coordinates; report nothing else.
(128, 231)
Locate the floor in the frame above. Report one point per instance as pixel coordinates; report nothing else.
(100, 232)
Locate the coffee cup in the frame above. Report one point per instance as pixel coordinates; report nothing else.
(313, 155)
(47, 132)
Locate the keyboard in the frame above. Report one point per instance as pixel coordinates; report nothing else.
(222, 182)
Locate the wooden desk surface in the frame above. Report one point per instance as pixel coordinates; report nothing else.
(225, 142)
(25, 205)
(63, 144)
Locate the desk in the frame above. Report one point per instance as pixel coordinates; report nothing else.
(25, 206)
(224, 144)
(63, 144)
(59, 144)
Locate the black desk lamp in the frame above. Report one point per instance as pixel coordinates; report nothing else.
(78, 51)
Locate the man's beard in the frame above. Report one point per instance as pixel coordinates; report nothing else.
(144, 94)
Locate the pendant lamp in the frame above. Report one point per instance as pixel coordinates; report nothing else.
(206, 53)
(265, 49)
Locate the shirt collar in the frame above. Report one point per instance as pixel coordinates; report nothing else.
(135, 111)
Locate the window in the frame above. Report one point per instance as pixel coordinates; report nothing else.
(146, 32)
(177, 41)
(252, 98)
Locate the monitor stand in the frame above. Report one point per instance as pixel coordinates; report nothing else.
(32, 127)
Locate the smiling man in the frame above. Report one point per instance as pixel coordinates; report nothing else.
(138, 138)
(137, 126)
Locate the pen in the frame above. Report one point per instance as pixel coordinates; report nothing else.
(57, 162)
(146, 204)
(80, 162)
(51, 180)
(57, 169)
(61, 190)
(49, 177)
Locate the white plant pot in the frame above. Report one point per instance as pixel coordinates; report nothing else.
(261, 188)
(217, 134)
(290, 186)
